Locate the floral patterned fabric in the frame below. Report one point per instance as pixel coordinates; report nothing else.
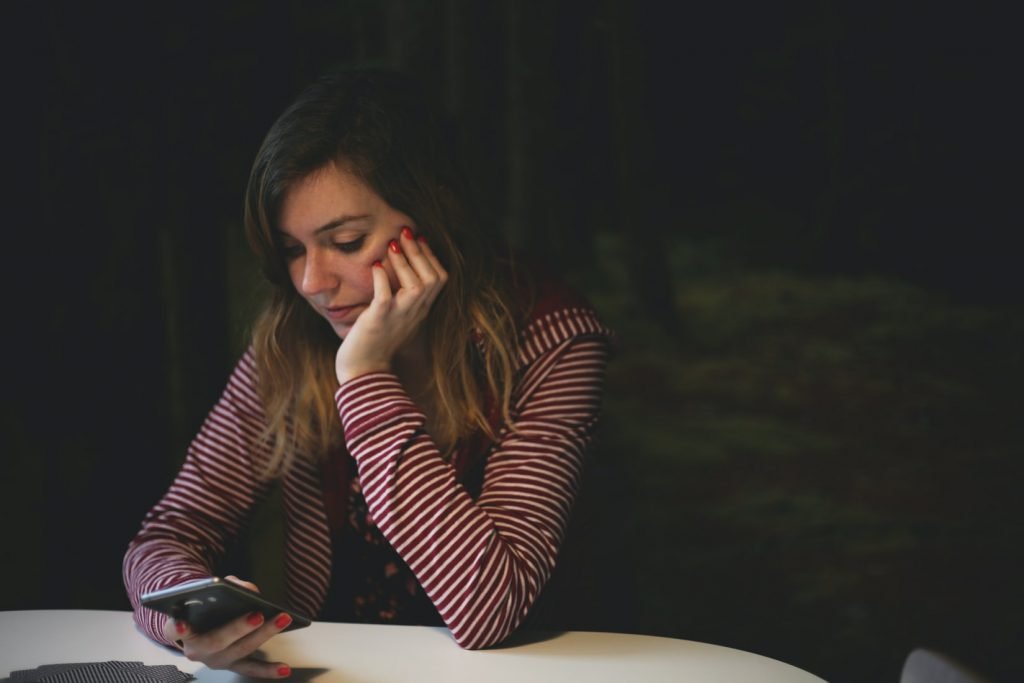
(370, 583)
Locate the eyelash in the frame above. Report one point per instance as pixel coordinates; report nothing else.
(350, 247)
(294, 251)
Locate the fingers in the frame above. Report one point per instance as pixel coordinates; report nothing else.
(415, 265)
(381, 283)
(241, 582)
(255, 668)
(231, 645)
(174, 630)
(428, 253)
(408, 279)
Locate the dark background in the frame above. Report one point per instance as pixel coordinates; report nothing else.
(799, 218)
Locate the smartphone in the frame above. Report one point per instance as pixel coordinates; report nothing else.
(208, 603)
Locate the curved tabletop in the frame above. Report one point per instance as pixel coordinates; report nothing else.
(360, 653)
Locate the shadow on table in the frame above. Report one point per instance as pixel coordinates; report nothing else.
(520, 638)
(302, 675)
(593, 644)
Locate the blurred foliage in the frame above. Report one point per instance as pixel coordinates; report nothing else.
(821, 469)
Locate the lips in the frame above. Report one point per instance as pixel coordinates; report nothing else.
(340, 314)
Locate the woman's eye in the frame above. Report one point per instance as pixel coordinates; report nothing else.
(291, 251)
(350, 246)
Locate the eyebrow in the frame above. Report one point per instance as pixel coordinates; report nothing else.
(333, 224)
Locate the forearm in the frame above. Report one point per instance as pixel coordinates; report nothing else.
(184, 535)
(153, 564)
(481, 562)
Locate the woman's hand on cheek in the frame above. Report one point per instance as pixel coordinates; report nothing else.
(393, 319)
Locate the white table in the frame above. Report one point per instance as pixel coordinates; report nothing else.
(357, 653)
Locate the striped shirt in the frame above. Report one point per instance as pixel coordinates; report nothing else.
(482, 562)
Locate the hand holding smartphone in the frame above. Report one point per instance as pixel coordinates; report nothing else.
(206, 604)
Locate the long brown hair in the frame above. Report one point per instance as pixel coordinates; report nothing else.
(380, 126)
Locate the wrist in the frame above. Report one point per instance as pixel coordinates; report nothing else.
(347, 374)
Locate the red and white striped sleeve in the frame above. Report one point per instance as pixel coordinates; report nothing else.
(483, 562)
(186, 532)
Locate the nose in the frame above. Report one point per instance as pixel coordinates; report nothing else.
(316, 274)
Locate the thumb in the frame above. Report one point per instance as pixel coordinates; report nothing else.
(244, 584)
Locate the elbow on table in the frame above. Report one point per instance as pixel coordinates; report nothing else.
(496, 611)
(482, 643)
(485, 638)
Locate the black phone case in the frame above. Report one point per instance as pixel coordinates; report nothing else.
(212, 603)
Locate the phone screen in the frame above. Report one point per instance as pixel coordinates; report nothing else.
(208, 603)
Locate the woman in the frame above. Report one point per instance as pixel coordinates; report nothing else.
(430, 461)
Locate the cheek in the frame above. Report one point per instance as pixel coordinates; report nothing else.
(359, 276)
(363, 280)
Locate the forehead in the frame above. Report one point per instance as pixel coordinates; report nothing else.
(328, 194)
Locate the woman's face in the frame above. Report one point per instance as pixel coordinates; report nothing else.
(333, 227)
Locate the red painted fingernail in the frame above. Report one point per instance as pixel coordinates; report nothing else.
(378, 264)
(180, 627)
(284, 671)
(282, 621)
(255, 619)
(393, 246)
(407, 232)
(421, 238)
